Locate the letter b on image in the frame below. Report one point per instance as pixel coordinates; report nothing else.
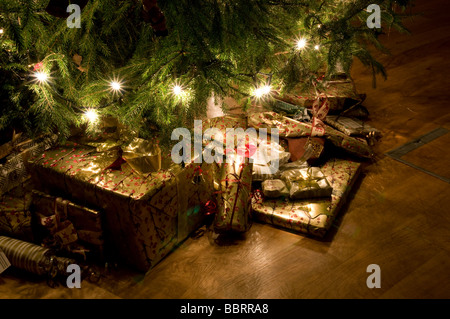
(74, 20)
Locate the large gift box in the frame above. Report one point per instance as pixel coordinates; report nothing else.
(234, 198)
(310, 216)
(145, 215)
(340, 94)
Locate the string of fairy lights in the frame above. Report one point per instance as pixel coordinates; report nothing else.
(42, 77)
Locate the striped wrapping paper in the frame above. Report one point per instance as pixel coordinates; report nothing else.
(26, 256)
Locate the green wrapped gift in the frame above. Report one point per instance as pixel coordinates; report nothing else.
(310, 216)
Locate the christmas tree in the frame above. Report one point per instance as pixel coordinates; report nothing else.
(154, 64)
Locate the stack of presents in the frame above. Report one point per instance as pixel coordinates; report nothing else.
(115, 196)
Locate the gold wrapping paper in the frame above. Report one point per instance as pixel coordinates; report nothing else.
(143, 156)
(337, 92)
(146, 215)
(289, 128)
(234, 199)
(224, 124)
(286, 126)
(310, 216)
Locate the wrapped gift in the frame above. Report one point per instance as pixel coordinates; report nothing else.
(274, 188)
(286, 126)
(15, 217)
(340, 94)
(289, 109)
(234, 198)
(15, 154)
(34, 258)
(353, 145)
(307, 149)
(145, 215)
(310, 216)
(224, 124)
(269, 156)
(66, 226)
(351, 126)
(306, 183)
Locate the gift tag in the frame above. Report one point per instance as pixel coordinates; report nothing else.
(4, 262)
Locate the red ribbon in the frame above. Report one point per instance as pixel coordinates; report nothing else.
(319, 111)
(117, 165)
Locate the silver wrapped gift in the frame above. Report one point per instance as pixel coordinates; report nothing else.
(274, 188)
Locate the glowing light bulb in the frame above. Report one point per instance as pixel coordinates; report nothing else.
(91, 115)
(317, 47)
(301, 44)
(1, 31)
(177, 90)
(41, 77)
(266, 89)
(116, 86)
(261, 91)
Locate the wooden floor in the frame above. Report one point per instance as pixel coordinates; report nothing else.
(398, 217)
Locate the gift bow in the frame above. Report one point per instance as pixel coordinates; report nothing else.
(143, 156)
(310, 181)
